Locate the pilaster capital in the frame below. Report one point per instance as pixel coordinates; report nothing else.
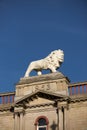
(19, 110)
(62, 105)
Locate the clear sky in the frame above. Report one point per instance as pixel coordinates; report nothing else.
(31, 29)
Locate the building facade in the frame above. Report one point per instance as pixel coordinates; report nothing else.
(46, 102)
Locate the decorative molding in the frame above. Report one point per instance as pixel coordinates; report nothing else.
(40, 105)
(78, 98)
(44, 109)
(7, 107)
(46, 77)
(44, 117)
(44, 94)
(78, 83)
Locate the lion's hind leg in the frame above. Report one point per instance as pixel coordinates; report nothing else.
(29, 69)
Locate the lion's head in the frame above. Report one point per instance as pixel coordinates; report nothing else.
(55, 58)
(60, 55)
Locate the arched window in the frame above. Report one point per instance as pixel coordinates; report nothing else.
(41, 123)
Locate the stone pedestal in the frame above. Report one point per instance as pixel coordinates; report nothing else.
(53, 82)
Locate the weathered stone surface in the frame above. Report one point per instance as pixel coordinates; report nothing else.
(6, 120)
(54, 82)
(45, 77)
(44, 96)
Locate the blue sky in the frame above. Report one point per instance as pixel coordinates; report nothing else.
(31, 29)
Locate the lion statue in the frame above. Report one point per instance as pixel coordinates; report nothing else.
(51, 62)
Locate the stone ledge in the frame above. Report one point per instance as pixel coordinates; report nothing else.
(45, 77)
(78, 98)
(5, 107)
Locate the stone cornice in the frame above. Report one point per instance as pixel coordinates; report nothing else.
(7, 107)
(40, 109)
(44, 94)
(7, 93)
(40, 105)
(78, 98)
(77, 83)
(45, 77)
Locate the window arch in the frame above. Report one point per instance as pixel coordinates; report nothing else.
(41, 123)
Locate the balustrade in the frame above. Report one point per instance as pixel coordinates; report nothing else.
(6, 98)
(79, 88)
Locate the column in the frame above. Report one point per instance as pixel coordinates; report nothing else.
(16, 122)
(63, 118)
(60, 119)
(57, 111)
(21, 121)
(66, 119)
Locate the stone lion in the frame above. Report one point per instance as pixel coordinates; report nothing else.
(51, 62)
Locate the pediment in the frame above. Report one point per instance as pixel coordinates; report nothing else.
(39, 100)
(40, 97)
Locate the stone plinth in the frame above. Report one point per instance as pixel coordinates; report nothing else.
(53, 82)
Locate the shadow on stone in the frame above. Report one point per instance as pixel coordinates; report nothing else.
(53, 126)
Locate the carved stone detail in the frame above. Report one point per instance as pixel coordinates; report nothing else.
(51, 62)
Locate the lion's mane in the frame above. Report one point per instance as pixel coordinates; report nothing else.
(54, 58)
